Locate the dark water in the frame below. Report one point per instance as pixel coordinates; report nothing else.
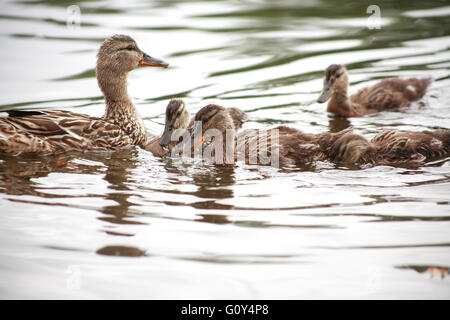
(129, 225)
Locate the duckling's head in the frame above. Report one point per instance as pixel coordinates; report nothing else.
(335, 81)
(238, 116)
(177, 117)
(120, 54)
(214, 119)
(214, 116)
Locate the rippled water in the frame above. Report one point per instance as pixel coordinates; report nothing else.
(129, 225)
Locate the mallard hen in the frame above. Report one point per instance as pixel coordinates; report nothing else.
(56, 131)
(386, 95)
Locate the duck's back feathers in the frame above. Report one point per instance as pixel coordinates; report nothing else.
(296, 147)
(399, 147)
(345, 147)
(58, 131)
(391, 94)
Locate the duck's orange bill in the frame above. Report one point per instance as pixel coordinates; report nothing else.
(148, 61)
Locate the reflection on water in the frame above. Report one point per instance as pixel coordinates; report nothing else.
(200, 231)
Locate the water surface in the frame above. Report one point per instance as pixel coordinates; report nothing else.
(130, 225)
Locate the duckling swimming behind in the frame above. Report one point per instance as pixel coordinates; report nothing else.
(291, 146)
(283, 145)
(395, 147)
(386, 95)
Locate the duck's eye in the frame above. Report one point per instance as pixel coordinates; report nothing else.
(129, 48)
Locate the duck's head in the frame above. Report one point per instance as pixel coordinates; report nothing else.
(214, 119)
(120, 54)
(214, 116)
(336, 78)
(177, 117)
(238, 116)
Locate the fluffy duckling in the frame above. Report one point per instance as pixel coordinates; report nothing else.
(291, 146)
(386, 95)
(282, 144)
(56, 131)
(238, 117)
(395, 147)
(177, 117)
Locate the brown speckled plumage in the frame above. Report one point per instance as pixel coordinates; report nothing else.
(177, 117)
(295, 147)
(388, 94)
(289, 145)
(56, 131)
(395, 147)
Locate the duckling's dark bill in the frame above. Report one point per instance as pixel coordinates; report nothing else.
(167, 135)
(148, 61)
(325, 94)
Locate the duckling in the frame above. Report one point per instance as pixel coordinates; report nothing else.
(386, 95)
(282, 144)
(290, 146)
(395, 147)
(238, 116)
(57, 131)
(177, 117)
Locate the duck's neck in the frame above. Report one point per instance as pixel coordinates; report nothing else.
(340, 102)
(119, 107)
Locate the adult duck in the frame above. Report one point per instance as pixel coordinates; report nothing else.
(388, 94)
(56, 131)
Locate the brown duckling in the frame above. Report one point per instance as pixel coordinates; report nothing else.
(395, 147)
(56, 131)
(283, 145)
(386, 95)
(291, 146)
(177, 117)
(238, 116)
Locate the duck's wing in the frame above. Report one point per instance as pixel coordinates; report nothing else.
(399, 147)
(377, 98)
(391, 93)
(345, 147)
(39, 123)
(58, 130)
